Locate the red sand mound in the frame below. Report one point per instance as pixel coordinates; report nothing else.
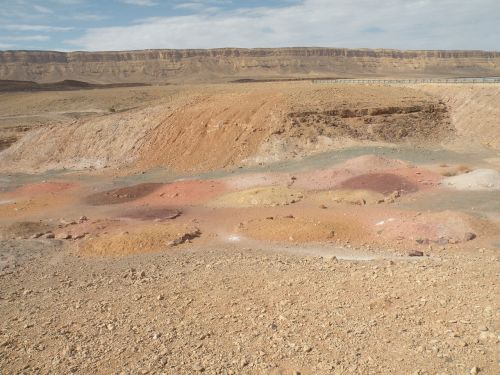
(184, 193)
(325, 179)
(384, 183)
(122, 195)
(442, 228)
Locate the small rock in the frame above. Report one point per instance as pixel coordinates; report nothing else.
(416, 253)
(198, 367)
(49, 235)
(80, 236)
(474, 370)
(110, 327)
(469, 236)
(306, 349)
(64, 236)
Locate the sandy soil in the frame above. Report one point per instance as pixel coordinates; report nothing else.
(241, 311)
(327, 263)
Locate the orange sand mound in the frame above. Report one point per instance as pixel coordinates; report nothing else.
(301, 229)
(43, 188)
(143, 239)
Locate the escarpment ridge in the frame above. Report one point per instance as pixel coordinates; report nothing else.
(226, 64)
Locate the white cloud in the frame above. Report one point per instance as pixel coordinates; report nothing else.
(148, 3)
(88, 17)
(202, 5)
(6, 46)
(43, 28)
(42, 9)
(68, 2)
(404, 24)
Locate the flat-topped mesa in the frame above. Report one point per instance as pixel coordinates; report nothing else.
(225, 64)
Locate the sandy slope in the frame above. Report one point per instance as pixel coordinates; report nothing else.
(474, 112)
(208, 127)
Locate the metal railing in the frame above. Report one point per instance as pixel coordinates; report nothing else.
(408, 81)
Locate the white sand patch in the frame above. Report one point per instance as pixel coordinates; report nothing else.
(480, 179)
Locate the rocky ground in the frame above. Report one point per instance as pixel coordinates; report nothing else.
(233, 310)
(371, 259)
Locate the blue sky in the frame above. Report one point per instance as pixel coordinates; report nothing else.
(94, 25)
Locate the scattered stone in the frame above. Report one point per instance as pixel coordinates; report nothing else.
(64, 236)
(186, 237)
(416, 253)
(80, 236)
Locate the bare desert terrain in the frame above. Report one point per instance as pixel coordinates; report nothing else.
(250, 228)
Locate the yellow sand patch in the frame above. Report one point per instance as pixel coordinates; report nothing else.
(140, 240)
(262, 196)
(360, 197)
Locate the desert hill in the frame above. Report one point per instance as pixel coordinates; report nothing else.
(15, 86)
(228, 64)
(207, 127)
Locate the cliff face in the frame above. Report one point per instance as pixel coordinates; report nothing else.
(233, 63)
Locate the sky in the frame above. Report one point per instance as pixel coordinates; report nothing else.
(103, 25)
